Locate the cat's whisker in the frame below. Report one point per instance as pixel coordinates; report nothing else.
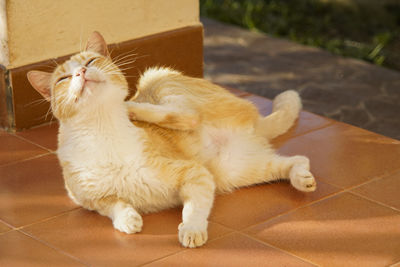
(121, 56)
(106, 66)
(80, 40)
(47, 113)
(35, 102)
(118, 62)
(111, 51)
(55, 62)
(129, 53)
(48, 66)
(126, 63)
(124, 59)
(128, 68)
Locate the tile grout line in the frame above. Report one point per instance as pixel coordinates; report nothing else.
(26, 159)
(6, 223)
(8, 231)
(278, 248)
(295, 209)
(53, 247)
(21, 228)
(188, 249)
(315, 129)
(351, 187)
(31, 142)
(301, 134)
(379, 177)
(374, 201)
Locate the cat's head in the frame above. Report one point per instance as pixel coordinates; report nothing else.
(87, 80)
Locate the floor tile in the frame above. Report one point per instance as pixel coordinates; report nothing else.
(385, 190)
(91, 237)
(344, 155)
(232, 250)
(345, 230)
(17, 249)
(32, 190)
(306, 122)
(45, 136)
(4, 227)
(13, 149)
(249, 206)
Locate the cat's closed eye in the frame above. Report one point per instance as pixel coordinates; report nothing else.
(90, 61)
(64, 78)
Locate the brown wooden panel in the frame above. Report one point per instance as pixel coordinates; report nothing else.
(6, 101)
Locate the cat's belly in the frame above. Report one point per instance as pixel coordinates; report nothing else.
(217, 142)
(228, 153)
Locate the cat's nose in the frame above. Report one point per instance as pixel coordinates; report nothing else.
(80, 72)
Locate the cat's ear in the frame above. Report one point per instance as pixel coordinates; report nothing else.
(96, 43)
(40, 80)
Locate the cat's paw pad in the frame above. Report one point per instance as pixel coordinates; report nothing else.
(128, 221)
(303, 180)
(192, 236)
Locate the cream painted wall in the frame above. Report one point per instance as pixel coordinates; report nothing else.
(43, 29)
(3, 34)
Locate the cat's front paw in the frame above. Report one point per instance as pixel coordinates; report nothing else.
(303, 180)
(192, 236)
(128, 221)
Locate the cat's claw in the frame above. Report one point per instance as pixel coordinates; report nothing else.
(192, 236)
(128, 221)
(303, 180)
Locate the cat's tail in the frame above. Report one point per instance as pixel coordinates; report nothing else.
(285, 110)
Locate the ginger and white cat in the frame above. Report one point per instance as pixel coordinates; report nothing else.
(189, 139)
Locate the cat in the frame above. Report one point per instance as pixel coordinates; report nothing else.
(188, 140)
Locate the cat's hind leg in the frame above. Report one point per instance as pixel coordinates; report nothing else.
(300, 176)
(262, 165)
(296, 169)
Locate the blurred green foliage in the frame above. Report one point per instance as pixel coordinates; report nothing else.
(359, 29)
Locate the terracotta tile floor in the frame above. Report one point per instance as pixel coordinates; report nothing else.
(353, 219)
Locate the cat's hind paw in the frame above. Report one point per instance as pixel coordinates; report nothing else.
(303, 180)
(128, 221)
(192, 236)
